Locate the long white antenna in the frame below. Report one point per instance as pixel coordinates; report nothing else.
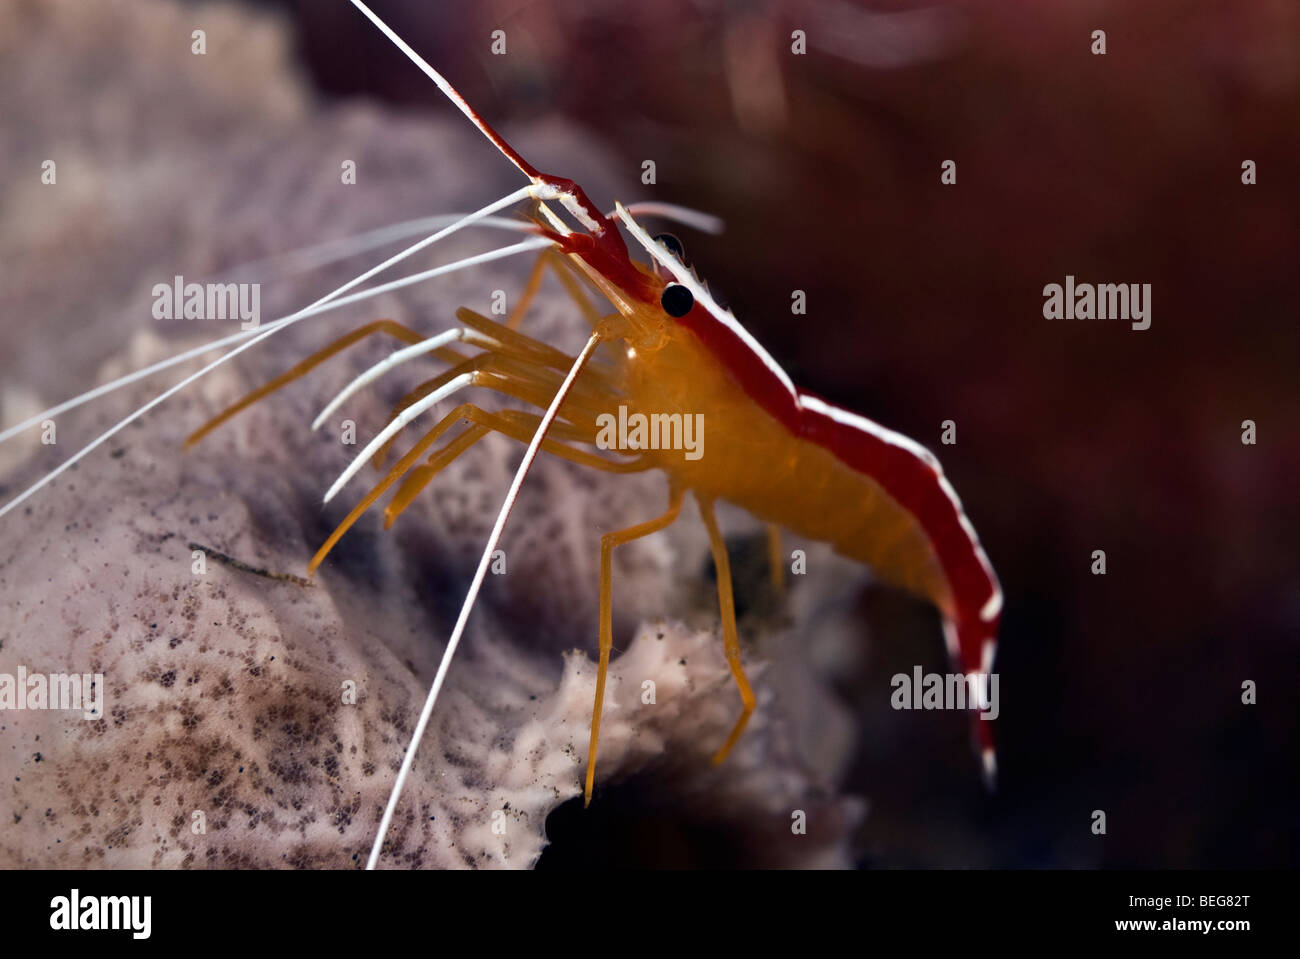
(542, 189)
(321, 254)
(331, 251)
(270, 331)
(451, 93)
(335, 304)
(472, 595)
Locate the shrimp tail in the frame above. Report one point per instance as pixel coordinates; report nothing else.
(972, 646)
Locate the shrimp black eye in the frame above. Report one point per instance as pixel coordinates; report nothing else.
(673, 244)
(676, 300)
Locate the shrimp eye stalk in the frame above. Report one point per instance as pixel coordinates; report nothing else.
(676, 300)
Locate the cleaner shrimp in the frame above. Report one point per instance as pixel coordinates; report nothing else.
(666, 354)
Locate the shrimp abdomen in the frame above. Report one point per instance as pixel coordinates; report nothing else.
(827, 475)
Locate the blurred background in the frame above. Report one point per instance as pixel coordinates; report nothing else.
(1119, 692)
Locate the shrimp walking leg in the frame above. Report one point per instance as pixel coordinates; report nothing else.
(565, 272)
(730, 637)
(774, 558)
(534, 283)
(608, 543)
(513, 423)
(512, 375)
(389, 327)
(506, 335)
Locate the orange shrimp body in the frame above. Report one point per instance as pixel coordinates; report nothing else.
(752, 461)
(797, 462)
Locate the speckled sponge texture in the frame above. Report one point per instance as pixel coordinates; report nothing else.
(228, 738)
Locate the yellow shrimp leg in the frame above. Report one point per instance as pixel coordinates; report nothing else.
(730, 637)
(512, 423)
(515, 374)
(608, 542)
(406, 335)
(534, 283)
(392, 328)
(516, 424)
(774, 558)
